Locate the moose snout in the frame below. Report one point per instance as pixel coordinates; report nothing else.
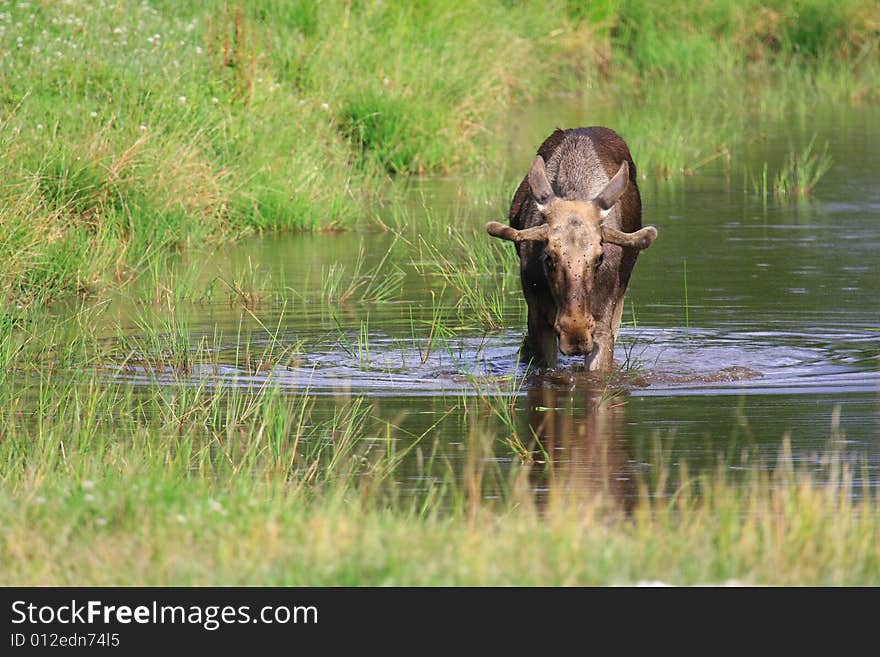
(575, 338)
(575, 345)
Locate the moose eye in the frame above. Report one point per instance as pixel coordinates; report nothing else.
(548, 260)
(600, 260)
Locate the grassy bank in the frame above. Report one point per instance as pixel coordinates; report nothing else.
(134, 128)
(131, 128)
(127, 532)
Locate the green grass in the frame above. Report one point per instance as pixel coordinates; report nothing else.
(798, 176)
(132, 129)
(680, 38)
(472, 270)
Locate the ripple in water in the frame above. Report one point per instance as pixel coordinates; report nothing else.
(656, 361)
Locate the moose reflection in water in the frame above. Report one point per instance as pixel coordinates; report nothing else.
(580, 452)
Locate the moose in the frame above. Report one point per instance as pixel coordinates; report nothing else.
(576, 223)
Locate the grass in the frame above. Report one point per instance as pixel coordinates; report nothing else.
(797, 176)
(133, 132)
(801, 171)
(470, 268)
(203, 481)
(687, 308)
(381, 284)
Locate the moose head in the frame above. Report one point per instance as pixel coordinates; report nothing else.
(574, 236)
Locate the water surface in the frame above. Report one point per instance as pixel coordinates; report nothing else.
(749, 322)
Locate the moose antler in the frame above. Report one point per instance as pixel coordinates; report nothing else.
(533, 234)
(640, 239)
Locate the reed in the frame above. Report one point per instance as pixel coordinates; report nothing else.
(801, 172)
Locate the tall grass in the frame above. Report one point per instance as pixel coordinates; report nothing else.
(682, 38)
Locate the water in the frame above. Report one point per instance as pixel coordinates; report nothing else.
(748, 322)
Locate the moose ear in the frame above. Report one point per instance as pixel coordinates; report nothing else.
(613, 190)
(538, 183)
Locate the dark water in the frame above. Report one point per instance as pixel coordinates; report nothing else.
(750, 321)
